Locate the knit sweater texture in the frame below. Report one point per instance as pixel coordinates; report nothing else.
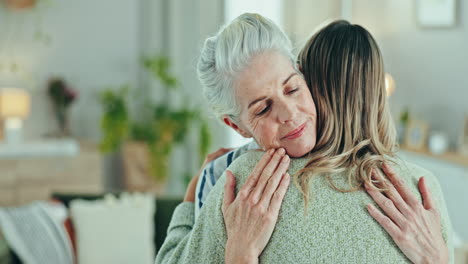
(335, 229)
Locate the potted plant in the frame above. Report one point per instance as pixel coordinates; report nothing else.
(62, 97)
(147, 142)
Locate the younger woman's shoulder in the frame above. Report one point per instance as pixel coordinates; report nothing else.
(411, 173)
(242, 166)
(410, 170)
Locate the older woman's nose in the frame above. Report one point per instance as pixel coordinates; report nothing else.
(286, 112)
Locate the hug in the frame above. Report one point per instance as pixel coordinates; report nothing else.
(321, 181)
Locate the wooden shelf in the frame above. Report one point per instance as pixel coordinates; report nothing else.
(449, 156)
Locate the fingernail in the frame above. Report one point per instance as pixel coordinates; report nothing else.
(281, 151)
(285, 158)
(286, 177)
(270, 151)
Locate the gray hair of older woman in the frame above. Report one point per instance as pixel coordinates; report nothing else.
(227, 54)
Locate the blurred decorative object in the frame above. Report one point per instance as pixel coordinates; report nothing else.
(389, 84)
(464, 138)
(20, 4)
(438, 143)
(401, 125)
(436, 13)
(62, 96)
(136, 163)
(14, 108)
(159, 126)
(416, 135)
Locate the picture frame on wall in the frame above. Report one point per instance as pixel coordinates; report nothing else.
(464, 138)
(416, 135)
(436, 13)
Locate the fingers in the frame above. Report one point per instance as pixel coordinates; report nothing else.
(393, 195)
(428, 202)
(266, 174)
(384, 221)
(274, 181)
(229, 186)
(253, 178)
(277, 199)
(387, 205)
(400, 186)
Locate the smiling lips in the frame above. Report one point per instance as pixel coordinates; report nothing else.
(296, 132)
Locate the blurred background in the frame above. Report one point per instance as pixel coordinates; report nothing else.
(102, 96)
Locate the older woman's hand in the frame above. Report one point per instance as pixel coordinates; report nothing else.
(192, 186)
(414, 227)
(251, 216)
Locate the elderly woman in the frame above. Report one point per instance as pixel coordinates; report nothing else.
(343, 67)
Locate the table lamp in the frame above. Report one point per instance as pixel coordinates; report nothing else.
(14, 108)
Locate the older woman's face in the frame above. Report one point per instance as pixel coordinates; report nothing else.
(276, 105)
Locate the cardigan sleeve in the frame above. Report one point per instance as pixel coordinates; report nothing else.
(200, 241)
(180, 226)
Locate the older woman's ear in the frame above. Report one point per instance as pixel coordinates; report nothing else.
(230, 123)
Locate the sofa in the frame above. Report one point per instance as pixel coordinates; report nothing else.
(164, 208)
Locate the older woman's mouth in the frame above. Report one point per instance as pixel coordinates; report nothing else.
(299, 131)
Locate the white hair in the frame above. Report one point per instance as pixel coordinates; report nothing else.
(228, 53)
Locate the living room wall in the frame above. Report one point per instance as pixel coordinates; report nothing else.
(92, 45)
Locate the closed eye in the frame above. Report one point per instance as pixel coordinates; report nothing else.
(293, 91)
(264, 110)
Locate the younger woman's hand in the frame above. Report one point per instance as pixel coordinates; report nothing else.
(251, 217)
(414, 227)
(192, 186)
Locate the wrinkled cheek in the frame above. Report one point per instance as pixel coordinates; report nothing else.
(265, 137)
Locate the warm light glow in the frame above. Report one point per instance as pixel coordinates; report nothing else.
(13, 123)
(389, 84)
(14, 102)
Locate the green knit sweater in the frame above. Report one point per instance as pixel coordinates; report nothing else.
(336, 229)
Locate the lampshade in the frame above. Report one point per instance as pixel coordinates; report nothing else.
(389, 84)
(14, 103)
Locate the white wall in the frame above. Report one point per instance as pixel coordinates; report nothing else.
(94, 45)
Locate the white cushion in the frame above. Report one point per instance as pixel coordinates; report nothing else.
(114, 230)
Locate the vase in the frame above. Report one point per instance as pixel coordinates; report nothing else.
(63, 120)
(137, 170)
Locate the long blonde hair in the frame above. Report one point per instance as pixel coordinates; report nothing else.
(344, 70)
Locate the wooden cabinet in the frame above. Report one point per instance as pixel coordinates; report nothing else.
(23, 180)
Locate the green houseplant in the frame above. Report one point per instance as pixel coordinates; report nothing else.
(161, 128)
